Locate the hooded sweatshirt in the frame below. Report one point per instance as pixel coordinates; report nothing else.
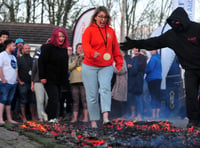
(184, 41)
(92, 41)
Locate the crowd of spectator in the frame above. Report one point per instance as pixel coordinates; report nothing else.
(49, 85)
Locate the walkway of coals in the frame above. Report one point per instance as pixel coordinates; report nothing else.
(12, 139)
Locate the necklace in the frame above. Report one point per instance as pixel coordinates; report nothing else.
(106, 55)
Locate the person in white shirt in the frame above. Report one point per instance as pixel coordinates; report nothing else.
(8, 80)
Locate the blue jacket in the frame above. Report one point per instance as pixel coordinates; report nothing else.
(154, 68)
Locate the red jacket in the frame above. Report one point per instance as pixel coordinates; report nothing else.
(92, 41)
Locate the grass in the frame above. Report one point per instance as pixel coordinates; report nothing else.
(49, 142)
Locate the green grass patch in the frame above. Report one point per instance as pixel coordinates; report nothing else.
(46, 142)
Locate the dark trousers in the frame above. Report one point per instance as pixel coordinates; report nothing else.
(154, 89)
(27, 97)
(192, 81)
(118, 109)
(15, 105)
(53, 92)
(65, 96)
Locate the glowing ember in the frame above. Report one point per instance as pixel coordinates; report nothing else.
(122, 133)
(33, 125)
(95, 142)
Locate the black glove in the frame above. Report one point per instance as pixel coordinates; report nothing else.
(128, 44)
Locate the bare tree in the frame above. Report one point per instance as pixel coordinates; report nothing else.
(58, 11)
(28, 10)
(51, 11)
(130, 14)
(42, 11)
(1, 4)
(139, 28)
(109, 4)
(68, 5)
(164, 10)
(13, 7)
(125, 16)
(73, 18)
(2, 13)
(151, 17)
(35, 4)
(123, 12)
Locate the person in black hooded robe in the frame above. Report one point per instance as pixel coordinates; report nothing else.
(184, 39)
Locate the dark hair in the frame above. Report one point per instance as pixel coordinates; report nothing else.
(8, 42)
(97, 11)
(78, 45)
(4, 32)
(137, 49)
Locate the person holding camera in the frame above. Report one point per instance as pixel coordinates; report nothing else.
(78, 90)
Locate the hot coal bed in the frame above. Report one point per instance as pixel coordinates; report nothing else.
(119, 134)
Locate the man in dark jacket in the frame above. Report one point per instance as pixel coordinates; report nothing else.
(25, 64)
(136, 70)
(184, 39)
